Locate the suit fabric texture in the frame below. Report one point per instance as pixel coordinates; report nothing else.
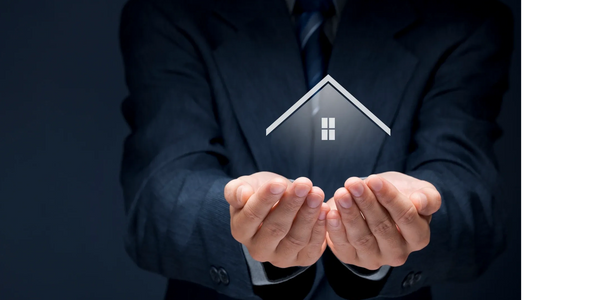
(206, 78)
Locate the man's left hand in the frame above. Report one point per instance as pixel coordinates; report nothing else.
(381, 220)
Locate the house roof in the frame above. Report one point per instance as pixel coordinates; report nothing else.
(328, 79)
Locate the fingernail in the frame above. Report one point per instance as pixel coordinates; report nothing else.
(239, 194)
(333, 222)
(277, 188)
(345, 202)
(376, 183)
(356, 189)
(422, 199)
(313, 201)
(301, 190)
(322, 215)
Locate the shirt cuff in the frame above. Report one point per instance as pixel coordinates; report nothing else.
(258, 274)
(370, 275)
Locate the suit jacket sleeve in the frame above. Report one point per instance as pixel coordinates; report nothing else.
(173, 164)
(453, 150)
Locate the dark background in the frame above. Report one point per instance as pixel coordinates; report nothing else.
(61, 210)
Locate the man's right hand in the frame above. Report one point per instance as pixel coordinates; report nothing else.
(278, 221)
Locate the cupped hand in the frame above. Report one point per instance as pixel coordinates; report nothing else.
(380, 220)
(278, 221)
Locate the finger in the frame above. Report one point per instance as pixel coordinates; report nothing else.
(427, 200)
(299, 234)
(359, 234)
(237, 192)
(413, 227)
(378, 219)
(246, 221)
(279, 221)
(331, 203)
(316, 245)
(338, 240)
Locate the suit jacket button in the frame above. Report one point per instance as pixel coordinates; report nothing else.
(214, 275)
(409, 280)
(417, 276)
(224, 277)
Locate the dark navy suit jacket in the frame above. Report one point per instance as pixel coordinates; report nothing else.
(206, 78)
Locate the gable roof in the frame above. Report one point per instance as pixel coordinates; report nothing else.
(328, 79)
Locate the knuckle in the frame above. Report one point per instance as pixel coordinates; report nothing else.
(385, 198)
(297, 242)
(304, 217)
(296, 202)
(354, 219)
(250, 214)
(408, 216)
(383, 228)
(291, 205)
(318, 230)
(364, 202)
(265, 198)
(275, 231)
(363, 242)
(340, 243)
(344, 245)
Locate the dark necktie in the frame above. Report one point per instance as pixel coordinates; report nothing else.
(315, 46)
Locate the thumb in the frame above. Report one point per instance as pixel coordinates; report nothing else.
(427, 200)
(331, 203)
(237, 192)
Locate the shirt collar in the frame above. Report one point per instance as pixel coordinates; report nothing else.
(339, 4)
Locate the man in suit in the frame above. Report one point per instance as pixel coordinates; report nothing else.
(225, 212)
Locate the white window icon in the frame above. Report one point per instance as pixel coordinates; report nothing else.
(327, 129)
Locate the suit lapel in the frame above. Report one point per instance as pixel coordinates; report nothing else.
(369, 61)
(261, 67)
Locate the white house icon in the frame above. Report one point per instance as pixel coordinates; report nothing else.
(328, 124)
